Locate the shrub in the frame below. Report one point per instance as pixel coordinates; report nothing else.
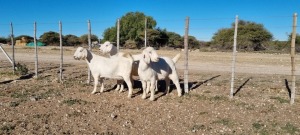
(131, 44)
(21, 69)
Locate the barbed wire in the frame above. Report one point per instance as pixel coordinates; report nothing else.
(210, 19)
(164, 20)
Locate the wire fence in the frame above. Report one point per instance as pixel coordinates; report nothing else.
(236, 63)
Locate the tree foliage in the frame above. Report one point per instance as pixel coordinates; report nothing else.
(110, 34)
(163, 37)
(193, 43)
(3, 40)
(132, 25)
(71, 40)
(251, 36)
(131, 44)
(50, 38)
(84, 38)
(297, 42)
(174, 40)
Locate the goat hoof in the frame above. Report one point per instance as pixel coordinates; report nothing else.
(152, 98)
(129, 96)
(93, 92)
(143, 97)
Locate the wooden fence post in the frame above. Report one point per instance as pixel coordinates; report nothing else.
(186, 47)
(293, 63)
(13, 47)
(90, 48)
(61, 52)
(233, 57)
(36, 52)
(118, 34)
(145, 32)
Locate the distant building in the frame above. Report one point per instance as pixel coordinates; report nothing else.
(38, 43)
(21, 42)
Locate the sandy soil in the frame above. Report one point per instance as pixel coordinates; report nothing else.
(43, 105)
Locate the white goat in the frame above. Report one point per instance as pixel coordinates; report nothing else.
(108, 48)
(116, 68)
(152, 68)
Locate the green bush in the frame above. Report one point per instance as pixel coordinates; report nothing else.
(21, 69)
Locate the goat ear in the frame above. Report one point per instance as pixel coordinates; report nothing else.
(81, 49)
(146, 58)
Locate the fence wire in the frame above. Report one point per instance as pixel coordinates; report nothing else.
(279, 65)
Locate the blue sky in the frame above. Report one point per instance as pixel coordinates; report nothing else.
(206, 16)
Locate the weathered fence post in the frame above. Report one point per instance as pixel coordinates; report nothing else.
(118, 34)
(293, 89)
(36, 52)
(145, 32)
(90, 48)
(186, 47)
(233, 57)
(13, 47)
(61, 52)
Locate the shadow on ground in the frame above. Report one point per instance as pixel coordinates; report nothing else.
(23, 77)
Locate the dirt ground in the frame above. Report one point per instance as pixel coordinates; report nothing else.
(43, 105)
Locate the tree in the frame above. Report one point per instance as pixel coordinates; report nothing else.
(71, 40)
(110, 34)
(193, 42)
(3, 40)
(133, 23)
(223, 39)
(131, 26)
(155, 38)
(163, 37)
(50, 38)
(174, 40)
(152, 37)
(251, 36)
(84, 38)
(130, 44)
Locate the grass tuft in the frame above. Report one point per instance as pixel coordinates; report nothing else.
(291, 129)
(281, 100)
(70, 102)
(224, 122)
(7, 129)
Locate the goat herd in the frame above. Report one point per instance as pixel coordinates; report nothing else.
(123, 66)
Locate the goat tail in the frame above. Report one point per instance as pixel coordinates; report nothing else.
(176, 58)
